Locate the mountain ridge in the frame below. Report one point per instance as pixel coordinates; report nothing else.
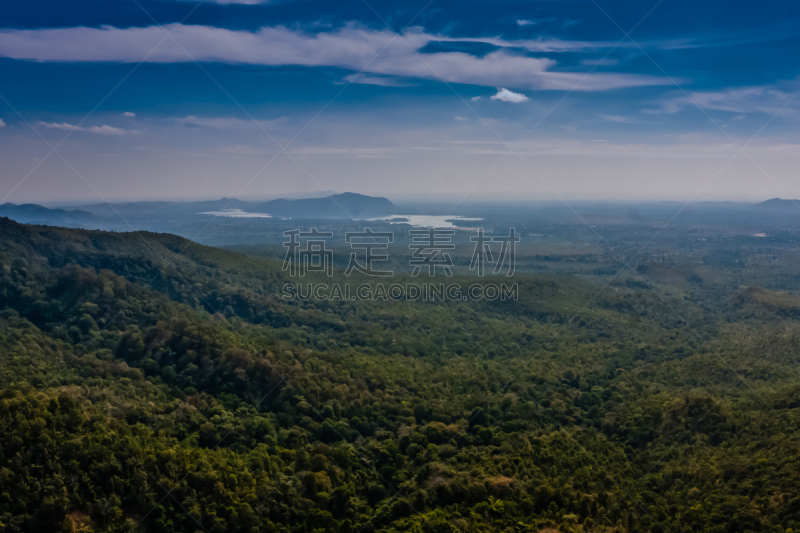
(349, 204)
(344, 205)
(778, 203)
(33, 213)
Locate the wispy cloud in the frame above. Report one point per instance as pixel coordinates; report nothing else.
(619, 119)
(770, 99)
(352, 47)
(728, 39)
(765, 99)
(541, 44)
(102, 130)
(225, 122)
(686, 147)
(2, 124)
(383, 81)
(128, 114)
(547, 20)
(504, 95)
(354, 151)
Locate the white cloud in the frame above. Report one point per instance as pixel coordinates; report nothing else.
(2, 124)
(461, 119)
(526, 22)
(103, 130)
(475, 98)
(504, 95)
(128, 114)
(352, 47)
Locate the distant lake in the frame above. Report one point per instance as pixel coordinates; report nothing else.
(426, 221)
(236, 213)
(421, 221)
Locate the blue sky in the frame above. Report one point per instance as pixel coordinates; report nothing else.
(146, 99)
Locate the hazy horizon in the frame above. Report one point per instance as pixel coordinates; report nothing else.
(409, 200)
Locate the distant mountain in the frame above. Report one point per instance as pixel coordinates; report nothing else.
(345, 205)
(778, 203)
(37, 214)
(161, 208)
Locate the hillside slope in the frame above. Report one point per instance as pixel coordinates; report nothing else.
(154, 384)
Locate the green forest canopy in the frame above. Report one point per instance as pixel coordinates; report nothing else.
(153, 384)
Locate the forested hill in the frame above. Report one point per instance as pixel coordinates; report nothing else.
(149, 383)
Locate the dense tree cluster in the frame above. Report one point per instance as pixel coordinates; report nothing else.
(152, 384)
